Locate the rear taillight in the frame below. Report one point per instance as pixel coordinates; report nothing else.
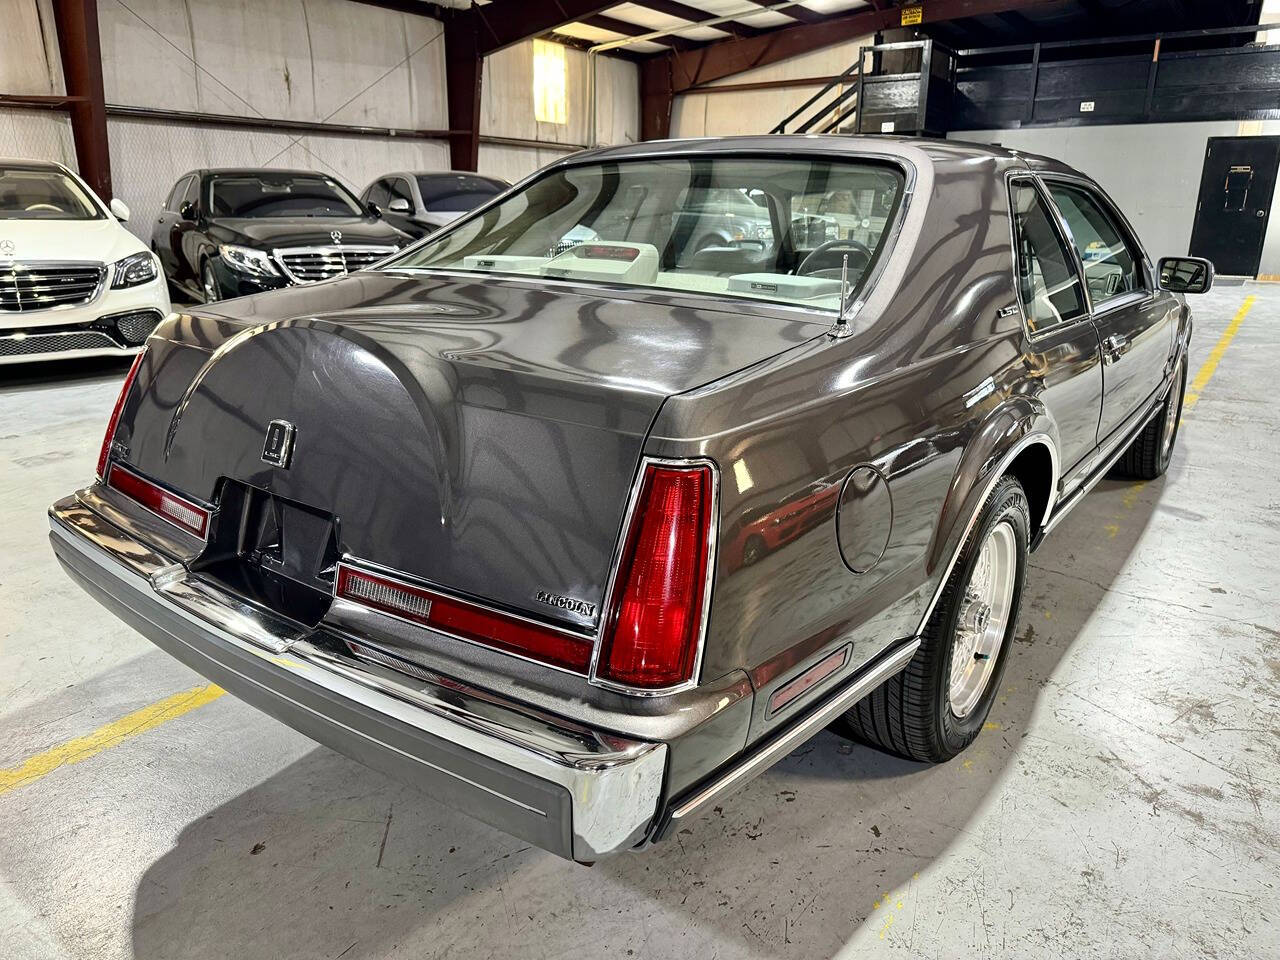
(177, 510)
(654, 622)
(464, 619)
(115, 415)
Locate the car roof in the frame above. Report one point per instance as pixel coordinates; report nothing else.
(836, 145)
(30, 164)
(442, 174)
(235, 171)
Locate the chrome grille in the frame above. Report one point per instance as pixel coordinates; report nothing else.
(33, 343)
(40, 285)
(309, 264)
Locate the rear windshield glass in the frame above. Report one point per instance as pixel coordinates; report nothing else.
(283, 195)
(772, 229)
(454, 193)
(27, 194)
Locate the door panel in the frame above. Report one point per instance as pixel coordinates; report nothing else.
(1137, 339)
(1062, 340)
(1133, 320)
(1236, 189)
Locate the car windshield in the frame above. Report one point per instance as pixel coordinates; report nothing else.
(450, 194)
(726, 226)
(32, 194)
(280, 195)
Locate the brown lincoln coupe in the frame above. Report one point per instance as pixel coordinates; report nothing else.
(579, 521)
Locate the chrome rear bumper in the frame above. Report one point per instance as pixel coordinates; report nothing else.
(578, 792)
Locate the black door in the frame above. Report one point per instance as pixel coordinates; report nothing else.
(1235, 203)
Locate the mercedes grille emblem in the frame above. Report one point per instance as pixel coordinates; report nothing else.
(335, 236)
(7, 247)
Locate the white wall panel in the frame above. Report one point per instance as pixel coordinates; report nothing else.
(1160, 201)
(36, 135)
(315, 60)
(506, 108)
(29, 61)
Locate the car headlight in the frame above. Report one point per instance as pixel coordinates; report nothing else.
(134, 270)
(247, 260)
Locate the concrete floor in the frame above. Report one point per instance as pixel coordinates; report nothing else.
(1123, 802)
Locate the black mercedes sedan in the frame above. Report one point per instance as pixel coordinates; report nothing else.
(232, 232)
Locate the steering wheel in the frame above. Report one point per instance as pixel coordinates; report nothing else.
(826, 259)
(44, 206)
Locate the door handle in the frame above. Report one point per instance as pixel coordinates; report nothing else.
(1114, 347)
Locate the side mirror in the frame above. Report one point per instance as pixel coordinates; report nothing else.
(118, 209)
(187, 211)
(399, 205)
(1185, 274)
(373, 208)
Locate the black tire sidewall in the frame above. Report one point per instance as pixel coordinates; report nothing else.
(1008, 502)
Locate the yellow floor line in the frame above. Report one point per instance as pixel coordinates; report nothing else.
(82, 748)
(1215, 356)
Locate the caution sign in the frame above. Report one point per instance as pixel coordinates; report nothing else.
(912, 16)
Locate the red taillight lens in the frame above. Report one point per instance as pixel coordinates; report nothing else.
(460, 618)
(655, 619)
(177, 510)
(115, 415)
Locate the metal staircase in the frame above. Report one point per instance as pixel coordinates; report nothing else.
(904, 89)
(827, 114)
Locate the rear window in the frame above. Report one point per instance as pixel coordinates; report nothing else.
(727, 226)
(32, 194)
(454, 193)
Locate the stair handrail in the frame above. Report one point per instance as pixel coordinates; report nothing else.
(856, 67)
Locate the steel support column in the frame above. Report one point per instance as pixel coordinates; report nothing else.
(657, 98)
(77, 23)
(464, 67)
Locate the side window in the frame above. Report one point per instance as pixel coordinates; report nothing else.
(192, 194)
(1048, 283)
(378, 194)
(1111, 264)
(176, 194)
(399, 189)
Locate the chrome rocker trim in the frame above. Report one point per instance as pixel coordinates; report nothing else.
(575, 791)
(760, 758)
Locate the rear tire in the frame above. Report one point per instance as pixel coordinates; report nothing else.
(930, 711)
(1149, 455)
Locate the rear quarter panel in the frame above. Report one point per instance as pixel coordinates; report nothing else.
(929, 383)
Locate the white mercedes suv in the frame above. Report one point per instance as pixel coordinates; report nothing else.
(73, 281)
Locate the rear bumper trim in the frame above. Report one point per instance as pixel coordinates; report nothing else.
(570, 789)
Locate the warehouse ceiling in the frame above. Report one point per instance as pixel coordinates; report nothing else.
(685, 22)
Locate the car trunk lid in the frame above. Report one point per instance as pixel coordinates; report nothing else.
(481, 436)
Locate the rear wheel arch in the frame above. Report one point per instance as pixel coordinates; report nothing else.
(994, 446)
(1035, 467)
